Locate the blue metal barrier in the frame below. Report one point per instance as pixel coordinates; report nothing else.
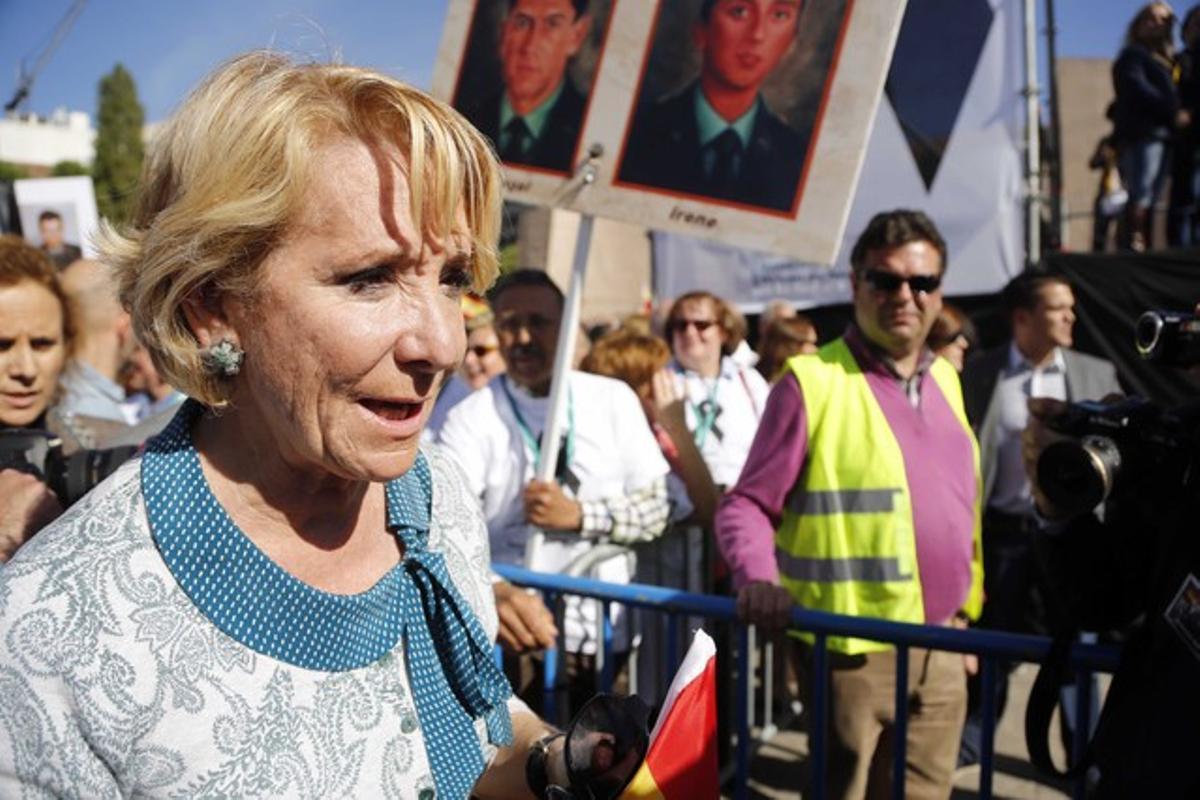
(991, 646)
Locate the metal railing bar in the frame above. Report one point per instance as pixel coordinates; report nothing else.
(987, 683)
(606, 649)
(900, 745)
(748, 696)
(1083, 728)
(672, 647)
(768, 671)
(820, 714)
(1010, 646)
(744, 684)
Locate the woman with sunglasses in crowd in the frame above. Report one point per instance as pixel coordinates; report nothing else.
(481, 362)
(952, 336)
(723, 399)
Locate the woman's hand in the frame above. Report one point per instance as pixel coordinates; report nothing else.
(546, 506)
(667, 402)
(26, 506)
(526, 625)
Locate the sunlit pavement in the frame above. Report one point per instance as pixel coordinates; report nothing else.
(777, 769)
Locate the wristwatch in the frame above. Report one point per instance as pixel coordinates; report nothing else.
(535, 764)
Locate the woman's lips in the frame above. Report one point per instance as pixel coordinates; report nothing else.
(21, 399)
(393, 410)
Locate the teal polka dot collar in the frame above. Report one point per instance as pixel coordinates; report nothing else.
(257, 603)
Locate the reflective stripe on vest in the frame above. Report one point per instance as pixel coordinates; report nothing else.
(844, 501)
(846, 543)
(840, 569)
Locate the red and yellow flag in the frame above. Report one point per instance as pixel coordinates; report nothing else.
(681, 763)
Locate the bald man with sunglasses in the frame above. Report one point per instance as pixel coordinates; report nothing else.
(860, 496)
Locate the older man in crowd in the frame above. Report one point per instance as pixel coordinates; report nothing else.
(610, 477)
(91, 410)
(860, 496)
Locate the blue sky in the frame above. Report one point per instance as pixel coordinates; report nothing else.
(169, 45)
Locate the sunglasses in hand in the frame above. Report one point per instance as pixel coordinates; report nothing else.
(890, 281)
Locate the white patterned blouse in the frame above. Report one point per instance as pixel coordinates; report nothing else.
(115, 683)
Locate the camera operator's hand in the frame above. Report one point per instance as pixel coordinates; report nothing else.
(1037, 436)
(26, 506)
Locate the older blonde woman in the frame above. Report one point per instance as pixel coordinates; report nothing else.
(285, 595)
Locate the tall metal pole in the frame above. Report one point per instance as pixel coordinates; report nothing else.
(568, 335)
(1056, 169)
(1033, 183)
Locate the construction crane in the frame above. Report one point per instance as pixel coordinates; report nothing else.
(41, 57)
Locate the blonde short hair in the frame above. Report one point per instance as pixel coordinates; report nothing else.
(230, 172)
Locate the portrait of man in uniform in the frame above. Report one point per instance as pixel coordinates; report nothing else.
(717, 137)
(534, 118)
(51, 229)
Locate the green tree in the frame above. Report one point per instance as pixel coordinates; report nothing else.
(118, 144)
(66, 169)
(11, 172)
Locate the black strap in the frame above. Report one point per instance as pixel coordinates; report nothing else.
(1054, 674)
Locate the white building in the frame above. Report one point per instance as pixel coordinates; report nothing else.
(38, 143)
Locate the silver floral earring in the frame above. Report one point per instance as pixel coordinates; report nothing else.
(223, 358)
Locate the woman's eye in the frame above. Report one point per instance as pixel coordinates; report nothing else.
(366, 279)
(456, 278)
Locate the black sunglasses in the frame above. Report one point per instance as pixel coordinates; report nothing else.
(701, 325)
(890, 281)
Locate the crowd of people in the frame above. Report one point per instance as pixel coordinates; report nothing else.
(841, 475)
(257, 460)
(1155, 136)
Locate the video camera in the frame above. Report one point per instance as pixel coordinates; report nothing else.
(1169, 337)
(1114, 447)
(70, 477)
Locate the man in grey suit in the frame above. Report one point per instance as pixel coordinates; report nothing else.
(1037, 362)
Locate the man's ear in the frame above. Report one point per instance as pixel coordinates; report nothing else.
(204, 311)
(580, 29)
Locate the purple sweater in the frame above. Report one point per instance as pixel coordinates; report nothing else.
(937, 461)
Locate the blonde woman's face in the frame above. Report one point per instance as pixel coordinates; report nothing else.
(32, 351)
(355, 325)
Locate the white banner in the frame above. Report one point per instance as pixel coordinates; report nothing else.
(947, 140)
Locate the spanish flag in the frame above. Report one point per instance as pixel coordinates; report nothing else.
(681, 763)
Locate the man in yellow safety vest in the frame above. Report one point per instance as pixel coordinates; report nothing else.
(860, 496)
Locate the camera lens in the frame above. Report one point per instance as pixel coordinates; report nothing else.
(1147, 332)
(1077, 476)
